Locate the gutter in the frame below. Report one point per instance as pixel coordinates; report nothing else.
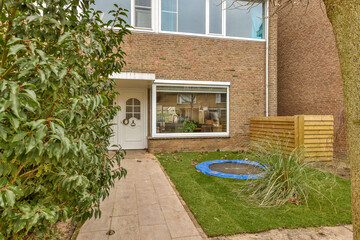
(267, 59)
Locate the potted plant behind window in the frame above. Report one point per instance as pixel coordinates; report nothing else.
(189, 126)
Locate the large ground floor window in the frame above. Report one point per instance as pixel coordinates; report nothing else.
(190, 110)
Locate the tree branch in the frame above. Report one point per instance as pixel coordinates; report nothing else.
(29, 172)
(20, 168)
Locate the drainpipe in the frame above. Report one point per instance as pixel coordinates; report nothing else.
(267, 58)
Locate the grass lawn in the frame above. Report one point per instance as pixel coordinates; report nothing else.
(221, 210)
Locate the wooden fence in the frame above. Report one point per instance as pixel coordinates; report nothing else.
(313, 132)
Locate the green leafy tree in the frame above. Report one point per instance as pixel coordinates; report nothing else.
(55, 113)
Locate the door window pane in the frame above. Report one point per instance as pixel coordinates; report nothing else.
(106, 6)
(244, 22)
(190, 109)
(143, 13)
(215, 15)
(133, 108)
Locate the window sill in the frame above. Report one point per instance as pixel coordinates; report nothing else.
(147, 30)
(188, 137)
(213, 36)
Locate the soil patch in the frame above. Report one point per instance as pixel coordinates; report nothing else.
(339, 168)
(67, 229)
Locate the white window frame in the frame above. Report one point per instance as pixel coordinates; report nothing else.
(207, 22)
(156, 22)
(180, 83)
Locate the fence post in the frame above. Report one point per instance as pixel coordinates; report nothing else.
(301, 129)
(296, 131)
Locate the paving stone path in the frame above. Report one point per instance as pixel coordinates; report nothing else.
(145, 206)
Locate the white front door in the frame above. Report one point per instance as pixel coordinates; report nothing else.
(132, 118)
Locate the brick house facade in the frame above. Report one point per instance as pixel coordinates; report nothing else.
(197, 61)
(242, 63)
(309, 76)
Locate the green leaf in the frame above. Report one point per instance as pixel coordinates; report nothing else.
(63, 73)
(34, 18)
(35, 124)
(34, 220)
(16, 48)
(54, 69)
(3, 132)
(3, 181)
(41, 54)
(14, 100)
(42, 75)
(4, 104)
(2, 202)
(19, 225)
(13, 40)
(32, 47)
(64, 37)
(3, 85)
(30, 143)
(10, 197)
(19, 136)
(60, 122)
(49, 215)
(14, 121)
(31, 94)
(40, 133)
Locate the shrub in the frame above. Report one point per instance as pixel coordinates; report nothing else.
(55, 116)
(287, 178)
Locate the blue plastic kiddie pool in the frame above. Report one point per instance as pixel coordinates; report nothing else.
(239, 169)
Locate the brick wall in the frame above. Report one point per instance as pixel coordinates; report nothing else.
(176, 57)
(309, 77)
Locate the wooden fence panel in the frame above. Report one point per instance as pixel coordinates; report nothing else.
(319, 130)
(276, 130)
(313, 132)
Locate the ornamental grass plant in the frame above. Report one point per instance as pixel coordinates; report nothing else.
(287, 178)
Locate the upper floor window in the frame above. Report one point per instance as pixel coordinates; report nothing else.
(242, 21)
(226, 18)
(143, 13)
(186, 16)
(107, 5)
